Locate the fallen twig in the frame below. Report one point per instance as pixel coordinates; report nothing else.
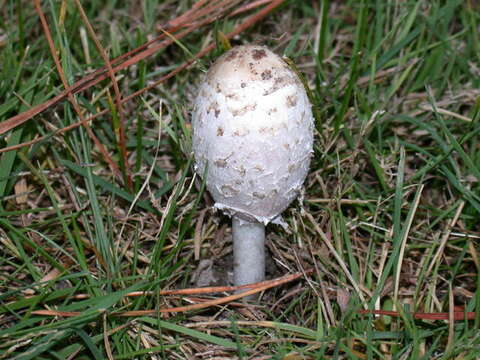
(132, 57)
(254, 288)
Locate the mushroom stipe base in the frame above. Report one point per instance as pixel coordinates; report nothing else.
(248, 252)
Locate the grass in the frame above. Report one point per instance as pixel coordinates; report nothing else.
(388, 220)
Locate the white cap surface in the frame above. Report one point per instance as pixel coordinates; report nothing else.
(253, 126)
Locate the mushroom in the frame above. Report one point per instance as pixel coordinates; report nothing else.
(252, 141)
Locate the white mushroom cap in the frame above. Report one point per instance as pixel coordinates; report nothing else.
(253, 126)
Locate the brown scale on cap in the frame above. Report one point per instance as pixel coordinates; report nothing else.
(273, 110)
(243, 110)
(228, 190)
(292, 100)
(231, 55)
(267, 75)
(257, 54)
(221, 163)
(258, 195)
(214, 106)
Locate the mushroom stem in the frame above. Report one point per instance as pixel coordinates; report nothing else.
(248, 251)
